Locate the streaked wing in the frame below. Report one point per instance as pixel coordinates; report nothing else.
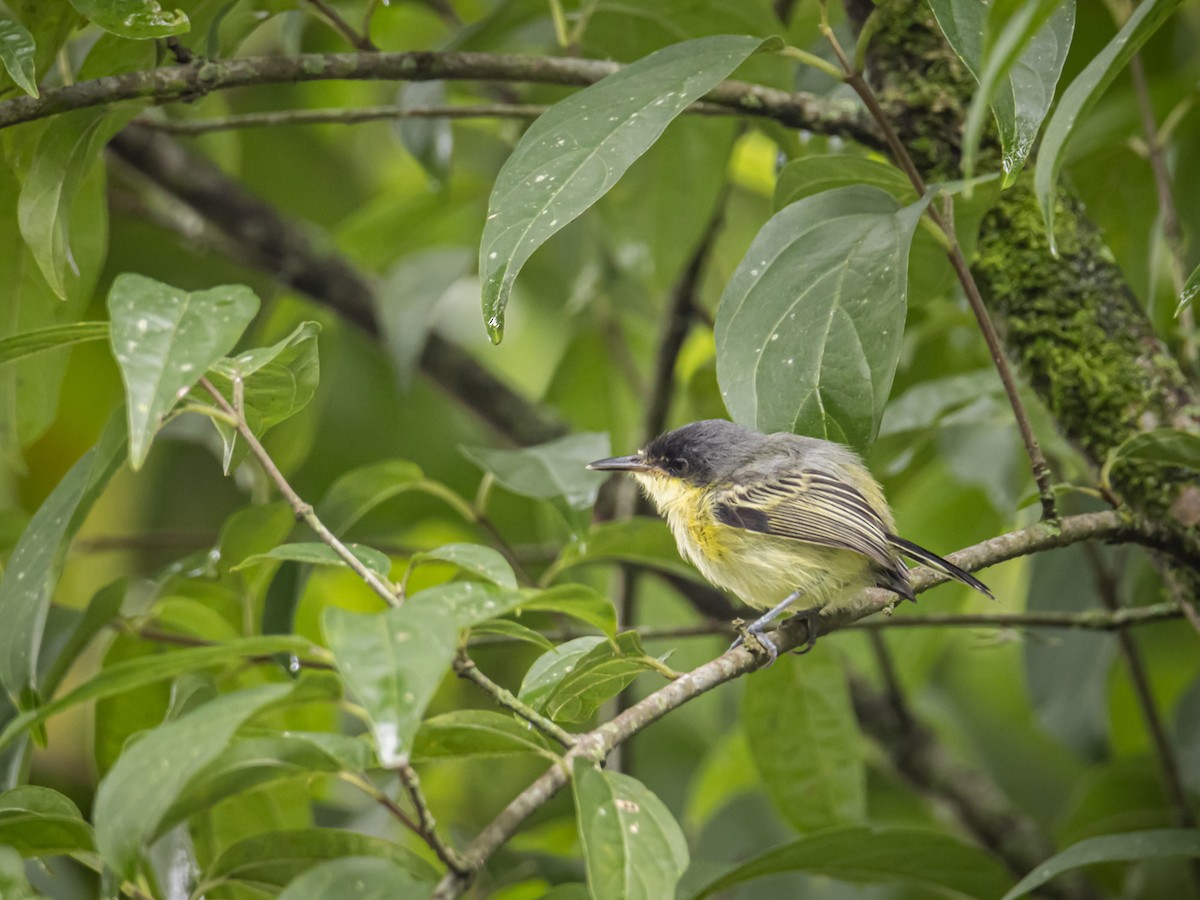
(807, 506)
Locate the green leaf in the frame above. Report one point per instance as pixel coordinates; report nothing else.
(804, 738)
(1017, 71)
(68, 153)
(133, 673)
(102, 609)
(476, 732)
(360, 490)
(557, 468)
(811, 175)
(632, 846)
(930, 862)
(35, 564)
(577, 601)
(277, 382)
(357, 878)
(17, 50)
(923, 404)
(407, 299)
(37, 821)
(1165, 446)
(164, 339)
(469, 602)
(1084, 92)
(137, 19)
(1190, 290)
(393, 662)
(318, 554)
(30, 342)
(578, 149)
(514, 631)
(809, 328)
(476, 559)
(272, 860)
(145, 780)
(1132, 846)
(570, 683)
(640, 540)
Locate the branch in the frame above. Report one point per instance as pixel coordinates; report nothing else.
(737, 662)
(427, 826)
(172, 84)
(354, 116)
(466, 668)
(303, 511)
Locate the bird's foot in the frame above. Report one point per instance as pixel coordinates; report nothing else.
(755, 637)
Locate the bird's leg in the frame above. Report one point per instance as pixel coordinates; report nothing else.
(758, 627)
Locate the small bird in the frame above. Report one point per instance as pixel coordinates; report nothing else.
(776, 518)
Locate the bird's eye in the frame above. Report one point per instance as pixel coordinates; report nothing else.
(677, 466)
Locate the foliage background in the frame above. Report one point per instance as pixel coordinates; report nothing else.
(1015, 740)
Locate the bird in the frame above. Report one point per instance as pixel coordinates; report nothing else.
(780, 520)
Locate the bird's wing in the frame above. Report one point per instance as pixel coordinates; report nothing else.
(807, 506)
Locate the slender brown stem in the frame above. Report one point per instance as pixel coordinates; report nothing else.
(466, 668)
(303, 510)
(425, 821)
(1037, 460)
(344, 28)
(422, 827)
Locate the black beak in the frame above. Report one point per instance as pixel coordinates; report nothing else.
(633, 463)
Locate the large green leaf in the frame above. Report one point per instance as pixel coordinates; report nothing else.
(140, 788)
(134, 18)
(803, 735)
(1133, 846)
(556, 469)
(934, 864)
(360, 490)
(393, 662)
(28, 343)
(140, 671)
(318, 554)
(38, 821)
(640, 540)
(469, 602)
(17, 50)
(164, 339)
(272, 860)
(36, 562)
(576, 151)
(67, 154)
(632, 846)
(1017, 70)
(476, 732)
(810, 325)
(358, 878)
(577, 601)
(1084, 92)
(811, 175)
(571, 682)
(476, 559)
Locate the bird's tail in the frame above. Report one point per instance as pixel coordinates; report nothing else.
(921, 555)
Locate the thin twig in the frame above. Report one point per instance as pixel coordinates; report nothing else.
(426, 822)
(303, 511)
(344, 28)
(1037, 460)
(353, 116)
(1171, 229)
(1164, 751)
(466, 668)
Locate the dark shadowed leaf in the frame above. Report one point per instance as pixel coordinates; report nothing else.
(811, 175)
(932, 863)
(810, 325)
(477, 732)
(141, 786)
(1164, 843)
(551, 470)
(35, 564)
(318, 554)
(804, 738)
(272, 860)
(632, 846)
(393, 662)
(1084, 92)
(38, 821)
(641, 540)
(134, 18)
(576, 151)
(17, 49)
(476, 559)
(164, 340)
(358, 878)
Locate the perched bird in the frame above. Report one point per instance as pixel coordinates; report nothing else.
(778, 519)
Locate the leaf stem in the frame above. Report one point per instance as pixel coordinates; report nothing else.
(426, 822)
(466, 668)
(342, 27)
(303, 511)
(1037, 461)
